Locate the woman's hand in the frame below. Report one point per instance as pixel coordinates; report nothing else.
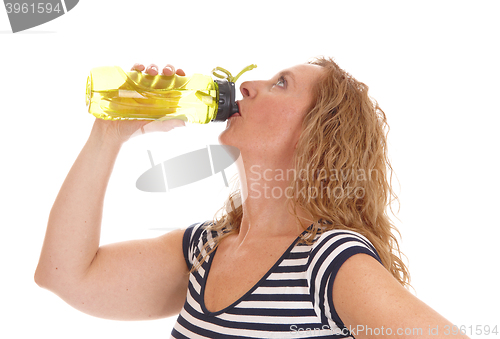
(153, 69)
(120, 131)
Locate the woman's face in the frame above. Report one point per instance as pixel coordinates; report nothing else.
(271, 113)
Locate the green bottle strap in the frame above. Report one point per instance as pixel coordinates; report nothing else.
(227, 75)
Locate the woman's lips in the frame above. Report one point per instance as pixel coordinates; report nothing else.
(237, 114)
(239, 107)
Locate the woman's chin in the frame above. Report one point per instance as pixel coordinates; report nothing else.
(224, 139)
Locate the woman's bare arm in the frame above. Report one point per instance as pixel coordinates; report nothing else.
(371, 302)
(140, 279)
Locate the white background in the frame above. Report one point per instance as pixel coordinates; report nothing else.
(432, 66)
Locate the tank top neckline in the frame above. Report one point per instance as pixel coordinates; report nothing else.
(251, 290)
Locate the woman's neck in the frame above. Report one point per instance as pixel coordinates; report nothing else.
(265, 193)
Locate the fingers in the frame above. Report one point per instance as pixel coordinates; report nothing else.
(170, 70)
(138, 67)
(156, 126)
(153, 69)
(162, 126)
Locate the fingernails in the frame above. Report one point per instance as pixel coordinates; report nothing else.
(168, 70)
(135, 67)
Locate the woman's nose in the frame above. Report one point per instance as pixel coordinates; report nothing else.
(248, 89)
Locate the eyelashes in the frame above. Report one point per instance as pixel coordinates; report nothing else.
(281, 82)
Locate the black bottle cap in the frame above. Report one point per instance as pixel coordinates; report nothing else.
(227, 100)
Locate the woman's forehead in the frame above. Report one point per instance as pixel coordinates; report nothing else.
(304, 71)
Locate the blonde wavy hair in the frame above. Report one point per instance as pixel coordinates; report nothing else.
(344, 174)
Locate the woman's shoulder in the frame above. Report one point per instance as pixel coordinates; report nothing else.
(341, 243)
(329, 234)
(199, 238)
(200, 233)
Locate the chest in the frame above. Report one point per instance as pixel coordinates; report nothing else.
(232, 275)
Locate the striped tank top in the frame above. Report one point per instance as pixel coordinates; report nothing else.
(292, 300)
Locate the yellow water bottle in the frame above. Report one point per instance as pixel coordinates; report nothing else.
(114, 94)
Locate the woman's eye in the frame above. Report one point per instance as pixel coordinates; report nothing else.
(281, 82)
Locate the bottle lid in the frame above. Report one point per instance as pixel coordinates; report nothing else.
(227, 93)
(227, 100)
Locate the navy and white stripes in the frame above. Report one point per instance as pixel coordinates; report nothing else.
(293, 300)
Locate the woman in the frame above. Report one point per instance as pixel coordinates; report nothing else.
(304, 250)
